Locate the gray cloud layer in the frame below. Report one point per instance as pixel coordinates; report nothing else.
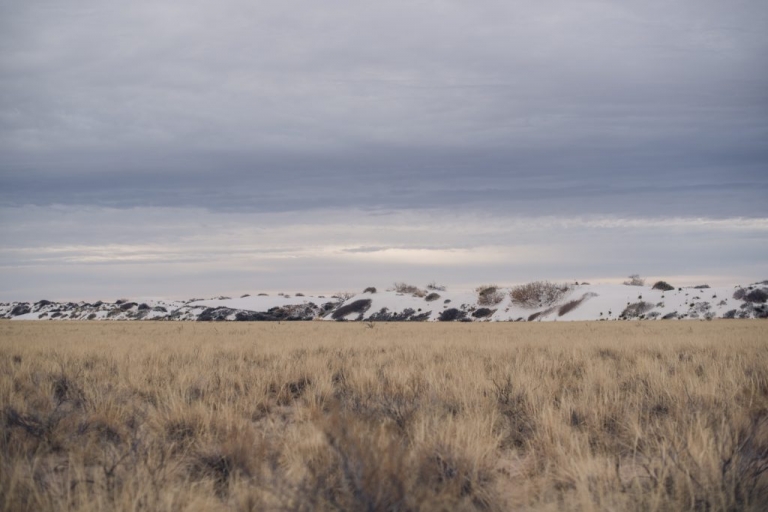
(625, 110)
(253, 104)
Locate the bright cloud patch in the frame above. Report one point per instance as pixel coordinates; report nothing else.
(142, 250)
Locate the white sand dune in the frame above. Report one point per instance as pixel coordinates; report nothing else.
(579, 302)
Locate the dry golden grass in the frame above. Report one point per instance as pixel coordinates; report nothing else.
(343, 416)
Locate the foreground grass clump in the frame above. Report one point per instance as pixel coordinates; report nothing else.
(335, 416)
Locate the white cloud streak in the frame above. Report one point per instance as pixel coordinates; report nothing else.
(346, 246)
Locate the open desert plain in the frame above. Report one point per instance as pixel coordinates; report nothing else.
(394, 256)
(300, 416)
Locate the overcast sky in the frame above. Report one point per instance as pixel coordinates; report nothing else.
(197, 148)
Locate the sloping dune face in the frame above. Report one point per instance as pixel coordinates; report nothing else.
(538, 301)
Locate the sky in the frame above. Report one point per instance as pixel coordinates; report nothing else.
(199, 148)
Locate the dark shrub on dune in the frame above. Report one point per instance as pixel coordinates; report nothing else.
(759, 296)
(359, 306)
(636, 310)
(21, 309)
(452, 314)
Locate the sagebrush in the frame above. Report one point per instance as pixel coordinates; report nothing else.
(538, 293)
(635, 280)
(489, 295)
(409, 289)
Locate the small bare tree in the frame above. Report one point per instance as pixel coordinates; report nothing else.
(538, 293)
(489, 295)
(406, 288)
(635, 280)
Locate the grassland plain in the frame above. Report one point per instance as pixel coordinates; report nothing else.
(164, 416)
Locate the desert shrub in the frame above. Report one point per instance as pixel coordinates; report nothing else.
(489, 295)
(663, 286)
(405, 288)
(759, 296)
(740, 294)
(358, 306)
(363, 468)
(42, 303)
(263, 295)
(214, 314)
(343, 295)
(21, 309)
(353, 474)
(300, 294)
(370, 289)
(516, 415)
(408, 314)
(538, 293)
(635, 280)
(410, 289)
(457, 477)
(701, 287)
(483, 312)
(452, 314)
(435, 287)
(432, 296)
(636, 309)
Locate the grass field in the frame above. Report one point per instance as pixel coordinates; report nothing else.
(163, 416)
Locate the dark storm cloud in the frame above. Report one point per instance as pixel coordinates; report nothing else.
(522, 182)
(603, 107)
